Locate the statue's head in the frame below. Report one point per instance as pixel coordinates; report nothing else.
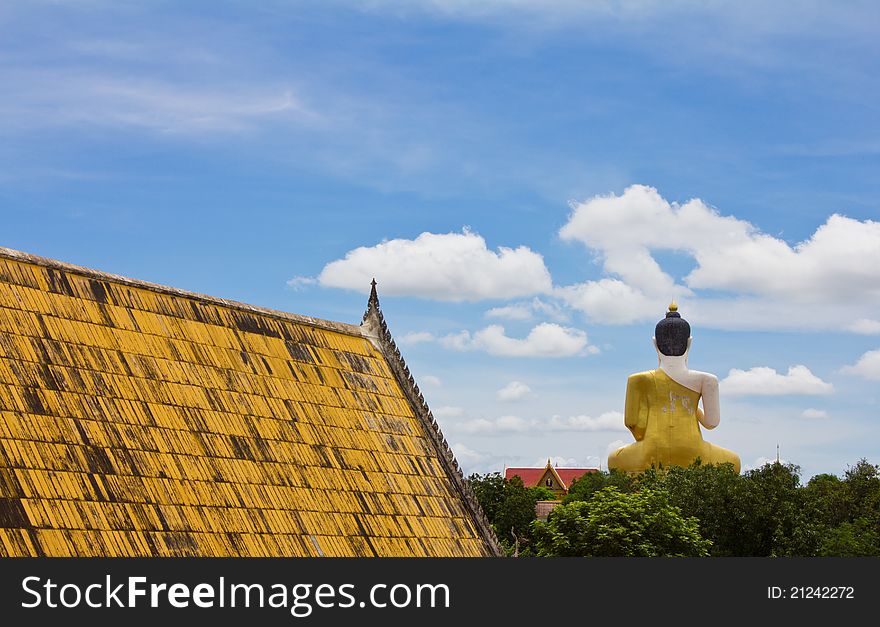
(672, 335)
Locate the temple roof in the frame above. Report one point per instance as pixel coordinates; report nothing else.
(142, 420)
(532, 476)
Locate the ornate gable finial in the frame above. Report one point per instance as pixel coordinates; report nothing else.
(373, 304)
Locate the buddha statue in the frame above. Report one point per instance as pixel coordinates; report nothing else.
(662, 407)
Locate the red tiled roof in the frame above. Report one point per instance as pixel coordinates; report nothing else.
(531, 476)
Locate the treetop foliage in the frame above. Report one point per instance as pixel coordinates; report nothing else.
(699, 510)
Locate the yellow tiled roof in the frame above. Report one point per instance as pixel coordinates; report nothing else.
(139, 420)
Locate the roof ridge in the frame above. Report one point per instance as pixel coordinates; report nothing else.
(376, 328)
(332, 325)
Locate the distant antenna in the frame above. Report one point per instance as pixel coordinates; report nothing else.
(777, 452)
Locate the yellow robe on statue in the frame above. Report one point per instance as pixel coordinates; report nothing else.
(663, 417)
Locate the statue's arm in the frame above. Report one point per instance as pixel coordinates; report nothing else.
(635, 413)
(710, 415)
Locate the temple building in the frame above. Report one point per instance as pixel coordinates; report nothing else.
(557, 480)
(142, 420)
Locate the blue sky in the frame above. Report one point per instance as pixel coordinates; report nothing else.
(530, 183)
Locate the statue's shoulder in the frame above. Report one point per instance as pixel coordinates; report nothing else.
(706, 376)
(640, 378)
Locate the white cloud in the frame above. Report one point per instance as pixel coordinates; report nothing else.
(77, 98)
(772, 284)
(549, 309)
(556, 460)
(447, 411)
(514, 391)
(868, 366)
(298, 283)
(763, 381)
(609, 421)
(472, 460)
(416, 337)
(504, 424)
(466, 455)
(814, 414)
(751, 34)
(544, 340)
(432, 380)
(527, 310)
(865, 326)
(442, 266)
(611, 301)
(560, 461)
(511, 312)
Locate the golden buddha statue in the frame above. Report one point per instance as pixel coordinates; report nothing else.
(662, 407)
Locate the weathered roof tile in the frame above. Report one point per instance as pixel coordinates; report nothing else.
(140, 420)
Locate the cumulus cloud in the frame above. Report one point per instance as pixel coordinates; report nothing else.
(560, 461)
(814, 414)
(528, 310)
(609, 421)
(556, 460)
(865, 326)
(447, 411)
(511, 312)
(472, 460)
(544, 340)
(514, 391)
(416, 337)
(504, 424)
(443, 266)
(432, 380)
(763, 381)
(298, 283)
(611, 301)
(868, 366)
(771, 282)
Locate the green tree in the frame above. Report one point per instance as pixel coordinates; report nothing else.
(540, 493)
(857, 539)
(719, 498)
(517, 511)
(760, 513)
(763, 512)
(510, 508)
(863, 492)
(615, 523)
(489, 490)
(828, 498)
(583, 488)
(848, 509)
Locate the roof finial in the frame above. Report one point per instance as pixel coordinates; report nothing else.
(373, 303)
(673, 306)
